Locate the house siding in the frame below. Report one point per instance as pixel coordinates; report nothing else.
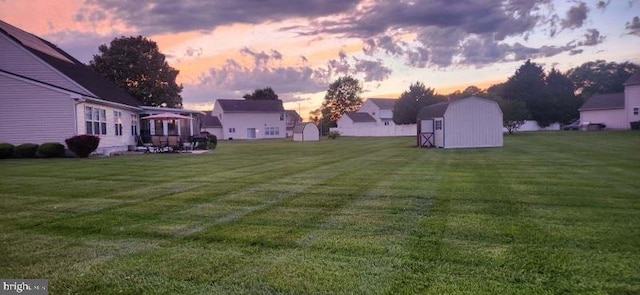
(472, 122)
(18, 60)
(241, 121)
(613, 118)
(110, 142)
(632, 100)
(31, 106)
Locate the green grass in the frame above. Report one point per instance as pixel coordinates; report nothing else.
(550, 213)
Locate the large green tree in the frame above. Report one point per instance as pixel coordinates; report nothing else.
(528, 85)
(561, 94)
(261, 94)
(406, 109)
(136, 65)
(601, 77)
(343, 96)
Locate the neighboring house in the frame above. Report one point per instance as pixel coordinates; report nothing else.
(293, 119)
(471, 122)
(211, 124)
(374, 118)
(49, 96)
(306, 132)
(250, 119)
(614, 110)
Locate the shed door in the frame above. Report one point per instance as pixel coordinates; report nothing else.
(425, 138)
(438, 126)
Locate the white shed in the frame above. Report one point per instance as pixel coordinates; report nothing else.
(470, 122)
(306, 132)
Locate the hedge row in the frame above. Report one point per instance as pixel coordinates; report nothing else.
(81, 145)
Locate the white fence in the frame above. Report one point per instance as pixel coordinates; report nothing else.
(379, 131)
(530, 125)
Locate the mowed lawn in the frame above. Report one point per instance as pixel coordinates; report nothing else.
(550, 213)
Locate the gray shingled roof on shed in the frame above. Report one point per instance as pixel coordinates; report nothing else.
(251, 106)
(633, 80)
(71, 67)
(433, 111)
(360, 117)
(604, 102)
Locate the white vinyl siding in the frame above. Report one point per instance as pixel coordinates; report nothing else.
(472, 122)
(36, 114)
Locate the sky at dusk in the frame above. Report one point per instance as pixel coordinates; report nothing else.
(226, 48)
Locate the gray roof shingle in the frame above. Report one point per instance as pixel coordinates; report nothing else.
(604, 102)
(384, 103)
(69, 66)
(209, 121)
(433, 111)
(251, 106)
(633, 80)
(360, 117)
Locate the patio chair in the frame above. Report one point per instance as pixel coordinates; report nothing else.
(173, 142)
(156, 143)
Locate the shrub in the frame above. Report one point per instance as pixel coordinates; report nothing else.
(83, 145)
(6, 150)
(51, 150)
(635, 125)
(26, 150)
(213, 142)
(334, 134)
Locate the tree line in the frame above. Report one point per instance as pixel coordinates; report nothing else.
(529, 94)
(136, 65)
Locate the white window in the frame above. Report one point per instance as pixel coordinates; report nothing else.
(232, 130)
(636, 111)
(134, 125)
(282, 117)
(438, 125)
(386, 123)
(272, 131)
(117, 122)
(95, 120)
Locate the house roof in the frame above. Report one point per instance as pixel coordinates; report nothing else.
(251, 106)
(76, 71)
(209, 121)
(633, 80)
(294, 115)
(433, 111)
(384, 103)
(360, 117)
(604, 102)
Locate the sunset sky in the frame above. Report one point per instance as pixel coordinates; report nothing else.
(227, 48)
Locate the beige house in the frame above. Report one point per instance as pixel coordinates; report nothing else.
(471, 122)
(614, 110)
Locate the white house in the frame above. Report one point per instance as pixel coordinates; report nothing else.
(374, 118)
(292, 119)
(49, 96)
(306, 132)
(211, 124)
(250, 119)
(614, 110)
(471, 122)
